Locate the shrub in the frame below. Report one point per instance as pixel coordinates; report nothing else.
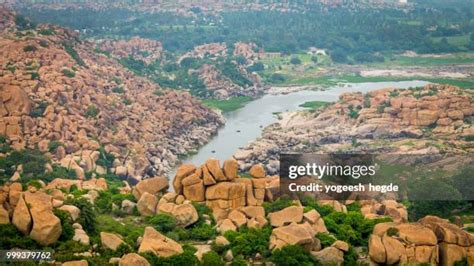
(392, 231)
(186, 258)
(277, 78)
(351, 227)
(68, 73)
(59, 172)
(106, 159)
(29, 48)
(92, 111)
(249, 241)
(48, 31)
(326, 239)
(43, 43)
(73, 53)
(162, 222)
(13, 238)
(353, 113)
(238, 261)
(292, 255)
(39, 109)
(351, 257)
(211, 258)
(66, 224)
(295, 61)
(33, 162)
(88, 216)
(256, 67)
(462, 262)
(127, 102)
(277, 205)
(54, 145)
(118, 90)
(203, 232)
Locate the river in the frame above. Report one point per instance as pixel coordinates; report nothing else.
(246, 124)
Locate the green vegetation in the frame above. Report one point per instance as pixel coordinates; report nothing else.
(12, 237)
(38, 109)
(67, 232)
(292, 255)
(162, 222)
(68, 73)
(314, 105)
(54, 145)
(277, 205)
(29, 48)
(249, 241)
(92, 111)
(73, 53)
(119, 90)
(229, 105)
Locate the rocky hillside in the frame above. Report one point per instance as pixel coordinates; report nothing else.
(432, 119)
(145, 50)
(57, 92)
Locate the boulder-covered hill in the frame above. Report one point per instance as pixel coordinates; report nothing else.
(424, 120)
(56, 91)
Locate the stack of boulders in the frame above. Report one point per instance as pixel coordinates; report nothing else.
(372, 209)
(151, 201)
(31, 213)
(431, 240)
(223, 190)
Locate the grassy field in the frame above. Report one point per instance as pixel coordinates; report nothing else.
(227, 105)
(458, 58)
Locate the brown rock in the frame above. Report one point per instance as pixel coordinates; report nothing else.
(133, 259)
(4, 216)
(21, 217)
(292, 214)
(238, 218)
(257, 171)
(76, 263)
(341, 245)
(185, 214)
(207, 177)
(450, 253)
(159, 244)
(214, 168)
(226, 225)
(377, 251)
(182, 172)
(395, 250)
(329, 256)
(150, 185)
(230, 168)
(110, 240)
(147, 204)
(193, 188)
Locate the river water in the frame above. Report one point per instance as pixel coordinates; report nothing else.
(246, 124)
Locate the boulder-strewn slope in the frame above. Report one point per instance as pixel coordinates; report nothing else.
(53, 87)
(435, 118)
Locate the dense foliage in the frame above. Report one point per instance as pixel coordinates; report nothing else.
(357, 33)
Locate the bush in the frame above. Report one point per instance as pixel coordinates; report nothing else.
(203, 232)
(277, 205)
(39, 109)
(29, 48)
(277, 78)
(256, 67)
(33, 162)
(59, 172)
(211, 258)
(292, 255)
(353, 113)
(127, 101)
(119, 90)
(66, 224)
(162, 222)
(47, 31)
(186, 258)
(295, 61)
(326, 239)
(106, 159)
(249, 241)
(88, 216)
(92, 111)
(68, 73)
(351, 227)
(12, 238)
(73, 53)
(54, 145)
